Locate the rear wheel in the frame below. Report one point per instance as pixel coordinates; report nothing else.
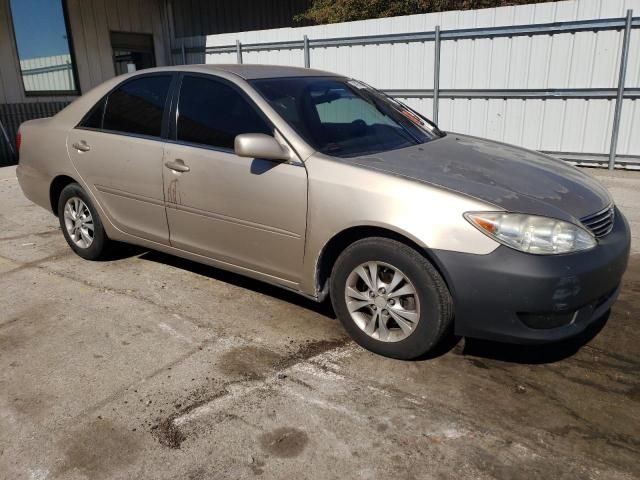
(390, 298)
(81, 224)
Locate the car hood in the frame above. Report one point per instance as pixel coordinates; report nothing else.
(512, 178)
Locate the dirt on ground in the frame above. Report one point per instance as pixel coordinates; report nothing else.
(148, 366)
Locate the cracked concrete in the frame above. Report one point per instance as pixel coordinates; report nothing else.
(149, 366)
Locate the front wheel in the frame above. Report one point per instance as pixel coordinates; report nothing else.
(390, 298)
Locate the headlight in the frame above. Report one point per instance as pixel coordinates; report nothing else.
(531, 234)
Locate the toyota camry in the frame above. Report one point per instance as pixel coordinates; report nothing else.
(325, 186)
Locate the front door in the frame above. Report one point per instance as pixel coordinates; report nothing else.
(118, 149)
(243, 211)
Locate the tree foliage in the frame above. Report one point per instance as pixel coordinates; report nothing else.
(334, 11)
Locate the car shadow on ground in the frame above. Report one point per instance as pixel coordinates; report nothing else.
(324, 308)
(511, 353)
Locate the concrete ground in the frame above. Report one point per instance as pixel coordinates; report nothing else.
(148, 366)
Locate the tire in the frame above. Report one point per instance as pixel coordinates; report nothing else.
(100, 242)
(430, 304)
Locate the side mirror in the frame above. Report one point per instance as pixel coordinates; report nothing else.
(259, 145)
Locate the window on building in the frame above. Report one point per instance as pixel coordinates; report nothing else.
(213, 113)
(42, 40)
(137, 106)
(132, 51)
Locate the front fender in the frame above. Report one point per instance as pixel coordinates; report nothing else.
(344, 196)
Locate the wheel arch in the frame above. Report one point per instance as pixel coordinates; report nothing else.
(341, 240)
(55, 189)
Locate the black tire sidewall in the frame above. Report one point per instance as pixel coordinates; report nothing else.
(98, 246)
(434, 298)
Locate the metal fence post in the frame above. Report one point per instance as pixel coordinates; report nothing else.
(239, 51)
(621, 81)
(184, 54)
(436, 75)
(307, 60)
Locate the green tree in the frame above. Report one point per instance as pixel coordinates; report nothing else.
(334, 11)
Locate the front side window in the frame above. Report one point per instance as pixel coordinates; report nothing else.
(212, 113)
(137, 106)
(41, 35)
(345, 118)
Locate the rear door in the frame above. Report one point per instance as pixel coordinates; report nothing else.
(248, 212)
(118, 150)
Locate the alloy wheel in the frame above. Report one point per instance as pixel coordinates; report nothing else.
(78, 222)
(382, 301)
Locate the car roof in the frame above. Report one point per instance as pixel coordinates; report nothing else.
(248, 71)
(78, 108)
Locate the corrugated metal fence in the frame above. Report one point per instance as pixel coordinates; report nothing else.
(544, 76)
(48, 74)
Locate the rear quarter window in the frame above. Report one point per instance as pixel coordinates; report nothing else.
(93, 119)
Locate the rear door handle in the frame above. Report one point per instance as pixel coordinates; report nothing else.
(81, 146)
(177, 166)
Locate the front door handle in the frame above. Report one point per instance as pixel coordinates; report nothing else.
(81, 146)
(177, 166)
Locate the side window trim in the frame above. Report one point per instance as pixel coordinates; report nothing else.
(165, 126)
(166, 114)
(175, 110)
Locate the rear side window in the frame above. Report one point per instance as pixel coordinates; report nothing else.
(137, 106)
(213, 113)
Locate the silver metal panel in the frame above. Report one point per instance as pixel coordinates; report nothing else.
(554, 28)
(48, 73)
(548, 94)
(624, 57)
(542, 75)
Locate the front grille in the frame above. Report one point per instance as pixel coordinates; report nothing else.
(601, 223)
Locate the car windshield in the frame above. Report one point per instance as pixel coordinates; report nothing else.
(345, 118)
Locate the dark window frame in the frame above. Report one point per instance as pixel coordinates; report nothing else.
(174, 114)
(104, 100)
(74, 67)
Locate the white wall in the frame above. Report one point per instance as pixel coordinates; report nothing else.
(90, 22)
(581, 60)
